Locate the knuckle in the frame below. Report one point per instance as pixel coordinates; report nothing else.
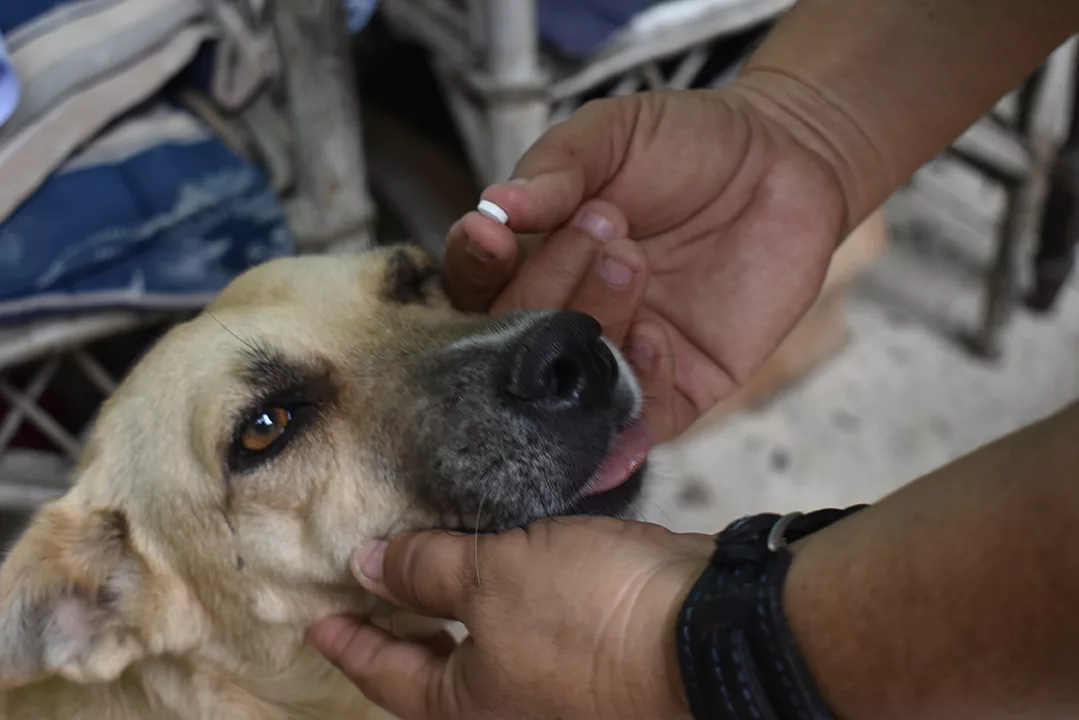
(433, 571)
(442, 697)
(483, 281)
(597, 107)
(512, 298)
(466, 294)
(403, 564)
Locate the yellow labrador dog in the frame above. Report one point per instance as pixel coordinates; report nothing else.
(319, 402)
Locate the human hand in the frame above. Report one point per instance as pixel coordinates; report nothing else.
(736, 216)
(571, 618)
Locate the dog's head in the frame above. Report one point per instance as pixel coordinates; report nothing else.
(320, 402)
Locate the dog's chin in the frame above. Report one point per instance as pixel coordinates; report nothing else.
(619, 501)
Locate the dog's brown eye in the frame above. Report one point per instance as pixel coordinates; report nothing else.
(265, 429)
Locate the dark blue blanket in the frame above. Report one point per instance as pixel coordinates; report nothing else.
(575, 28)
(578, 28)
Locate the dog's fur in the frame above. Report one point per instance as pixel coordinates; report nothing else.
(177, 577)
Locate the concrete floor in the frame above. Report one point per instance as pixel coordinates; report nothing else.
(902, 398)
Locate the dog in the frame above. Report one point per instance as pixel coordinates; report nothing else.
(318, 402)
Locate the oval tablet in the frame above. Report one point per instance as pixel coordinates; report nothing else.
(489, 209)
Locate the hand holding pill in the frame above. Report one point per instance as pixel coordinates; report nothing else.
(714, 205)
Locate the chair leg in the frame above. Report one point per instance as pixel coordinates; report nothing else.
(333, 204)
(518, 113)
(1028, 94)
(1001, 281)
(1060, 219)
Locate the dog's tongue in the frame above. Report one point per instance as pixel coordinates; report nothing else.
(627, 454)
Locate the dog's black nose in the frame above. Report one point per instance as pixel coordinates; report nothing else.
(562, 364)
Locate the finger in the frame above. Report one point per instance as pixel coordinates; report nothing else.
(698, 377)
(441, 643)
(431, 573)
(571, 162)
(685, 411)
(685, 414)
(480, 258)
(552, 273)
(614, 288)
(398, 676)
(650, 353)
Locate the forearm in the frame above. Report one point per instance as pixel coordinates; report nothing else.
(956, 597)
(884, 85)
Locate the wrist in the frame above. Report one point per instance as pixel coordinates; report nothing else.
(656, 689)
(817, 122)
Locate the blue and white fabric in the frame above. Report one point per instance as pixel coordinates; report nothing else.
(111, 196)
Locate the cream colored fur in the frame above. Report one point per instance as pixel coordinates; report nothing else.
(159, 587)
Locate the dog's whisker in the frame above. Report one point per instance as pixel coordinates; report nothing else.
(550, 514)
(228, 522)
(400, 518)
(486, 479)
(240, 562)
(476, 538)
(653, 503)
(230, 332)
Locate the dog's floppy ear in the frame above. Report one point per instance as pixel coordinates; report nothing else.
(62, 596)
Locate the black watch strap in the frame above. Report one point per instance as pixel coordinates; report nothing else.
(738, 658)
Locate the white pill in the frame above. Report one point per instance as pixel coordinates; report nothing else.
(489, 209)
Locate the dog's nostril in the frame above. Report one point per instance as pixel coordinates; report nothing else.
(561, 364)
(563, 379)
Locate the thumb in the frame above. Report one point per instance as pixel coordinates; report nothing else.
(430, 573)
(408, 679)
(649, 351)
(569, 164)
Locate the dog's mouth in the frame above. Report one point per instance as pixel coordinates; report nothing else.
(626, 457)
(554, 427)
(610, 490)
(618, 480)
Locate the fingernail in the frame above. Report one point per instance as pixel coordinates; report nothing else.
(478, 252)
(616, 273)
(520, 181)
(597, 226)
(366, 562)
(641, 354)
